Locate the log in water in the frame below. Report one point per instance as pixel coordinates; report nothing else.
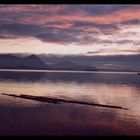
(57, 101)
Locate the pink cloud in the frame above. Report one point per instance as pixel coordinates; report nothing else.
(30, 8)
(118, 16)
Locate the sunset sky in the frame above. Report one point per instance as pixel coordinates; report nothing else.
(70, 29)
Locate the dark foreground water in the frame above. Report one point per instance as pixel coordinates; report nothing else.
(27, 117)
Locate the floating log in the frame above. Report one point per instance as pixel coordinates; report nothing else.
(57, 101)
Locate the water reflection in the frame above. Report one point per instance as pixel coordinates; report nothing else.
(108, 78)
(64, 120)
(25, 117)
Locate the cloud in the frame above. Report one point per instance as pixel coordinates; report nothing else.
(132, 51)
(45, 33)
(29, 8)
(95, 52)
(101, 14)
(71, 24)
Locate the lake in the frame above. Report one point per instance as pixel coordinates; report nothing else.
(27, 117)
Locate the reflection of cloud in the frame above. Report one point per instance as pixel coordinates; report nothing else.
(71, 119)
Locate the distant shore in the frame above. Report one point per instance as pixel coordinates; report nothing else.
(68, 71)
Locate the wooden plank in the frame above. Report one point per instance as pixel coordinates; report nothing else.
(57, 101)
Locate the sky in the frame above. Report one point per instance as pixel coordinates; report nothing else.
(70, 29)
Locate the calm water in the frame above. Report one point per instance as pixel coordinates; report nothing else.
(27, 117)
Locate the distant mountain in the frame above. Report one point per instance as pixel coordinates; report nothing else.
(8, 61)
(34, 61)
(64, 64)
(30, 62)
(68, 65)
(102, 63)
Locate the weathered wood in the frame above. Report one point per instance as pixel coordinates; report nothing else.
(57, 101)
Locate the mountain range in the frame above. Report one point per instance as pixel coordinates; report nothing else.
(8, 61)
(30, 62)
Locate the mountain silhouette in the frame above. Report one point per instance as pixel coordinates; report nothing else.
(68, 65)
(30, 62)
(8, 61)
(34, 61)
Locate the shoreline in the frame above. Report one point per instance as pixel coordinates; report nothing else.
(67, 71)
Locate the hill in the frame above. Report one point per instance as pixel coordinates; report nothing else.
(68, 65)
(15, 62)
